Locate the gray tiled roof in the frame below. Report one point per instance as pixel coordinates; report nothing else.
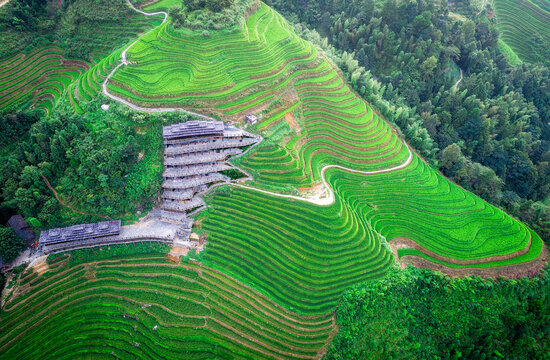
(79, 232)
(193, 128)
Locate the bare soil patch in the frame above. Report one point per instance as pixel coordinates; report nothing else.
(289, 117)
(176, 252)
(317, 191)
(41, 265)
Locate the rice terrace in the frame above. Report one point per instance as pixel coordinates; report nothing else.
(232, 179)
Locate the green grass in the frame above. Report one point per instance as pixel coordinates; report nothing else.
(143, 306)
(419, 204)
(511, 56)
(518, 21)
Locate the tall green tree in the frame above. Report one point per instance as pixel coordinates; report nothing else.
(10, 244)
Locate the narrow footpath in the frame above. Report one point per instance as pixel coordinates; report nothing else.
(322, 201)
(455, 87)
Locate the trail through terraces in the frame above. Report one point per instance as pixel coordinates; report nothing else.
(318, 201)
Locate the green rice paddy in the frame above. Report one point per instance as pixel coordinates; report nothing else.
(519, 20)
(144, 306)
(37, 79)
(273, 268)
(40, 77)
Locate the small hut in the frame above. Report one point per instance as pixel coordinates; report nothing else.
(251, 119)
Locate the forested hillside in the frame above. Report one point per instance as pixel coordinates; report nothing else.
(419, 314)
(445, 82)
(63, 50)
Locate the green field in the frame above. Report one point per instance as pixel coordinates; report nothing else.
(519, 21)
(319, 251)
(144, 306)
(274, 268)
(37, 79)
(304, 255)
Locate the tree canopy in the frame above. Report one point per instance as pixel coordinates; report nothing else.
(10, 244)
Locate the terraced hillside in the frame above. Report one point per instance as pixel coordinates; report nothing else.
(520, 21)
(88, 85)
(311, 119)
(301, 255)
(275, 263)
(304, 256)
(107, 51)
(37, 79)
(284, 75)
(419, 204)
(159, 310)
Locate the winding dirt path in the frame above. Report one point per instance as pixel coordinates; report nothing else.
(322, 202)
(67, 205)
(325, 201)
(483, 6)
(329, 200)
(124, 62)
(455, 87)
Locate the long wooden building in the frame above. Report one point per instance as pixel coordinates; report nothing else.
(195, 154)
(78, 236)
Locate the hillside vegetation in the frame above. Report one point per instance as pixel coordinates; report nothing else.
(46, 48)
(418, 314)
(282, 270)
(444, 81)
(38, 78)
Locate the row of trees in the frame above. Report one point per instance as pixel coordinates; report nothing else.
(209, 14)
(498, 116)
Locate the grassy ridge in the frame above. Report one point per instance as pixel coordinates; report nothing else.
(158, 309)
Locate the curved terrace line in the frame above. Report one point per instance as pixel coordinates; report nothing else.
(322, 202)
(124, 61)
(331, 198)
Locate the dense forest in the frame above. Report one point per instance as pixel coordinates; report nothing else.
(102, 162)
(421, 314)
(444, 81)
